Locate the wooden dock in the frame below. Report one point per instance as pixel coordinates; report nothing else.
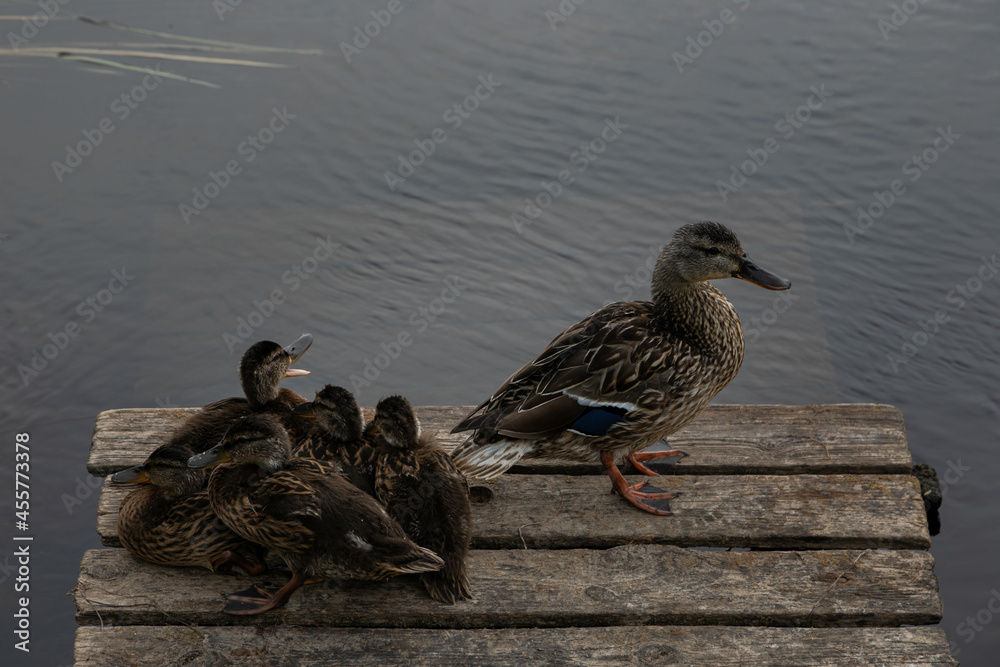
(800, 539)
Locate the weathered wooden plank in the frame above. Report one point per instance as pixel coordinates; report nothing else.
(628, 585)
(724, 439)
(281, 646)
(757, 511)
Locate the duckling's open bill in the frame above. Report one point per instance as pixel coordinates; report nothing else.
(296, 350)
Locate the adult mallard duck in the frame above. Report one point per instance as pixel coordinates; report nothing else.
(338, 436)
(169, 520)
(303, 509)
(422, 489)
(628, 375)
(262, 367)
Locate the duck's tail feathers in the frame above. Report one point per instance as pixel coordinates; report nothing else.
(491, 460)
(413, 561)
(448, 585)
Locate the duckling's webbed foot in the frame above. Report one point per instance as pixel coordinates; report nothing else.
(257, 600)
(230, 557)
(659, 467)
(652, 499)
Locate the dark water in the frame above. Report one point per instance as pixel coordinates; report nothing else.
(435, 276)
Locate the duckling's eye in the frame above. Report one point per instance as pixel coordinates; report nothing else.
(713, 250)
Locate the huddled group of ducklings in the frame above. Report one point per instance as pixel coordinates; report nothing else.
(338, 499)
(306, 481)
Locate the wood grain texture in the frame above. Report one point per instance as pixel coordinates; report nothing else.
(724, 439)
(629, 585)
(759, 511)
(145, 646)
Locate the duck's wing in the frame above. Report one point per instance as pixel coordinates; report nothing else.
(586, 380)
(286, 507)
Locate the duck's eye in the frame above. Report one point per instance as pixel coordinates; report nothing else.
(713, 250)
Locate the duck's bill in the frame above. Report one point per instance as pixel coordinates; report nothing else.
(212, 457)
(752, 273)
(299, 347)
(305, 410)
(295, 372)
(136, 475)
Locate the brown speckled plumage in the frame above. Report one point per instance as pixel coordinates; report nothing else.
(338, 436)
(317, 521)
(423, 489)
(647, 367)
(169, 520)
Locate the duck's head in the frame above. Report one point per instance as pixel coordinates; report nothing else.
(266, 363)
(704, 251)
(337, 413)
(167, 469)
(396, 422)
(257, 439)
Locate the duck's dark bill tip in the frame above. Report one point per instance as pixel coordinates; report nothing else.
(752, 273)
(212, 456)
(298, 348)
(136, 475)
(304, 410)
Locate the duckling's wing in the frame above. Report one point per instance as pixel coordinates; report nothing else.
(285, 506)
(586, 380)
(393, 467)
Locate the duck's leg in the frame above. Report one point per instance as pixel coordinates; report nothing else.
(637, 458)
(654, 503)
(230, 556)
(241, 604)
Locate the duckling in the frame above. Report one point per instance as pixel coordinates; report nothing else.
(169, 520)
(262, 367)
(338, 436)
(303, 509)
(421, 487)
(627, 376)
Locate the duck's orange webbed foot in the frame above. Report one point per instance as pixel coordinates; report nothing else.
(637, 459)
(653, 500)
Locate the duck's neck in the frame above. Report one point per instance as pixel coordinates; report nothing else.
(696, 312)
(259, 393)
